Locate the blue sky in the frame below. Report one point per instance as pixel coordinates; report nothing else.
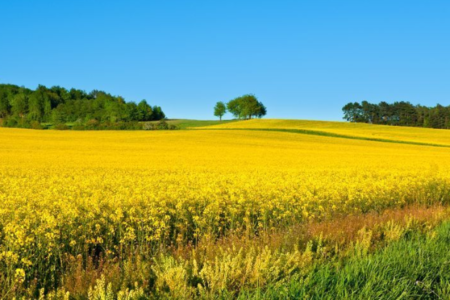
(302, 59)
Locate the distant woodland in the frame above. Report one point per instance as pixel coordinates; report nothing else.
(399, 113)
(62, 108)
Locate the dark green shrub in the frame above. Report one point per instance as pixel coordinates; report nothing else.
(78, 127)
(61, 126)
(36, 125)
(92, 124)
(11, 122)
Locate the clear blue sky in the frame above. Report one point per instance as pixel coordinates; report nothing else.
(302, 59)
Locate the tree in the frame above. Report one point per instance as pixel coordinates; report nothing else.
(399, 113)
(47, 109)
(20, 106)
(352, 112)
(262, 110)
(385, 112)
(57, 117)
(220, 109)
(233, 107)
(144, 111)
(158, 114)
(249, 106)
(4, 104)
(246, 106)
(36, 105)
(132, 111)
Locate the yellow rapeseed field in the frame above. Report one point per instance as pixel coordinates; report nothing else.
(399, 133)
(66, 193)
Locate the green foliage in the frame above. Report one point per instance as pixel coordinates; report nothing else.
(92, 124)
(78, 127)
(415, 267)
(161, 125)
(186, 124)
(61, 127)
(57, 105)
(5, 106)
(220, 109)
(158, 114)
(36, 125)
(19, 105)
(144, 111)
(246, 107)
(399, 113)
(375, 257)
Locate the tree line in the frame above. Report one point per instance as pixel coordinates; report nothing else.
(27, 108)
(243, 107)
(398, 113)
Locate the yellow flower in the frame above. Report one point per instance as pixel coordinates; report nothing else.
(63, 193)
(19, 275)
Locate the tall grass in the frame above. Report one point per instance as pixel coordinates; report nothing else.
(293, 262)
(415, 267)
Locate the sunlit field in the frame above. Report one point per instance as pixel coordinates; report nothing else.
(398, 133)
(209, 213)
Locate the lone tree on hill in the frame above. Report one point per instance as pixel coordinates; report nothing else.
(246, 107)
(220, 109)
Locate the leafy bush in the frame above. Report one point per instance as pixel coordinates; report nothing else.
(61, 127)
(78, 127)
(36, 125)
(92, 124)
(148, 126)
(162, 125)
(11, 122)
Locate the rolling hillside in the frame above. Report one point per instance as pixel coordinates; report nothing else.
(277, 206)
(358, 130)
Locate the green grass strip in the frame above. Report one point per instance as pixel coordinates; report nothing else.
(415, 267)
(334, 135)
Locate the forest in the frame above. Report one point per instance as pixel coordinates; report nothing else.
(398, 113)
(61, 108)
